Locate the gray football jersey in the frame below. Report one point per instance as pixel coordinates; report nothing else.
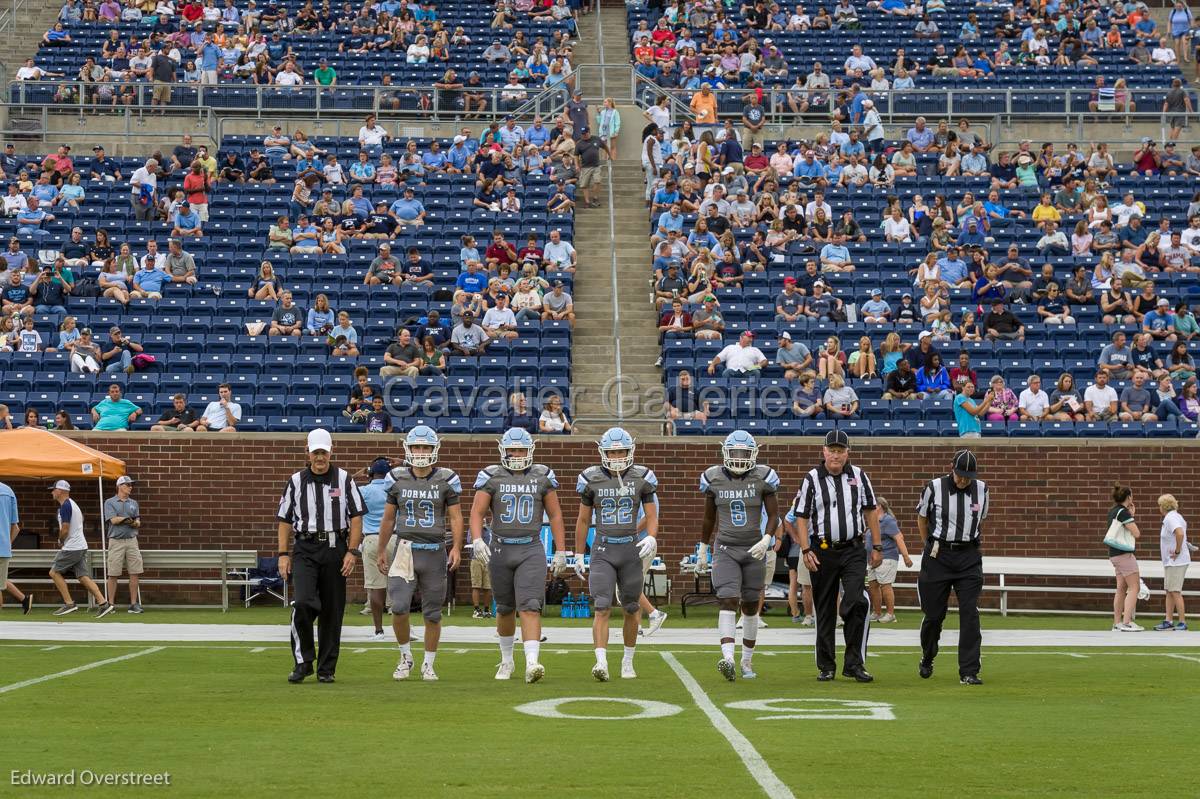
(421, 503)
(616, 501)
(739, 499)
(517, 498)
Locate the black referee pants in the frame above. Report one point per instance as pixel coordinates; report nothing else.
(962, 571)
(319, 594)
(846, 570)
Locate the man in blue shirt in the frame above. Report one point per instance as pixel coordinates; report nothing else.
(810, 171)
(1132, 235)
(835, 257)
(667, 221)
(458, 155)
(953, 270)
(210, 61)
(471, 281)
(148, 282)
(29, 221)
(920, 136)
(852, 146)
(187, 221)
(538, 135)
(9, 527)
(434, 160)
(374, 495)
(408, 210)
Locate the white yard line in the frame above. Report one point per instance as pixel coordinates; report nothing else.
(36, 680)
(1185, 657)
(759, 769)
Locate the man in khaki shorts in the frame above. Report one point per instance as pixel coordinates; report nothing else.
(374, 496)
(588, 150)
(481, 587)
(123, 517)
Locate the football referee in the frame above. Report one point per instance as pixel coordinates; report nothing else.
(832, 514)
(323, 508)
(954, 506)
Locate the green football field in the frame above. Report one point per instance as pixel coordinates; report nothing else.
(221, 719)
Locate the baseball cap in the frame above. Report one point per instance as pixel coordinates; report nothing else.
(906, 294)
(965, 464)
(837, 438)
(126, 480)
(876, 292)
(1164, 301)
(585, 129)
(789, 279)
(786, 335)
(320, 439)
(379, 466)
(61, 485)
(749, 333)
(924, 334)
(459, 139)
(709, 298)
(98, 148)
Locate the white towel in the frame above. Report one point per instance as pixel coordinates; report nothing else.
(402, 563)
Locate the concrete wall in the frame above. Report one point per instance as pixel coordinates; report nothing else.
(1049, 499)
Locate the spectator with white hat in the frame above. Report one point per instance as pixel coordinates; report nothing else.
(124, 521)
(72, 557)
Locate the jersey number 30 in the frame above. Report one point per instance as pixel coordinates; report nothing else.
(514, 508)
(616, 511)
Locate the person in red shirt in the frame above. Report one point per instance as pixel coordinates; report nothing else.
(59, 163)
(643, 52)
(531, 252)
(192, 11)
(1146, 160)
(756, 163)
(500, 251)
(195, 186)
(963, 373)
(665, 53)
(663, 34)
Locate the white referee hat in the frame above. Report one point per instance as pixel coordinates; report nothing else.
(320, 439)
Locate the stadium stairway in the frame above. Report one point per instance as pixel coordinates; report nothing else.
(21, 42)
(594, 350)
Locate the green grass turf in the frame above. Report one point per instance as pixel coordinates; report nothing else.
(698, 616)
(224, 721)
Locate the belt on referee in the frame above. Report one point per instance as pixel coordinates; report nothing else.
(321, 536)
(955, 546)
(525, 539)
(617, 539)
(424, 546)
(820, 543)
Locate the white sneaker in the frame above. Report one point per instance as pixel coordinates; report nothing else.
(873, 617)
(1132, 627)
(748, 671)
(762, 623)
(725, 667)
(1116, 628)
(403, 669)
(427, 673)
(887, 618)
(505, 671)
(627, 672)
(366, 611)
(379, 636)
(656, 621)
(600, 672)
(809, 621)
(534, 672)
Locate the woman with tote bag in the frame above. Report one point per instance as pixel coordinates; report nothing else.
(1121, 540)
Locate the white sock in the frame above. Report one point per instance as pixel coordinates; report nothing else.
(531, 651)
(602, 656)
(628, 656)
(726, 621)
(506, 648)
(406, 650)
(429, 658)
(749, 633)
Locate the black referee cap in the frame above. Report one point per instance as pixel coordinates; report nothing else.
(837, 438)
(965, 464)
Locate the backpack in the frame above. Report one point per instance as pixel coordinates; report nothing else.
(556, 591)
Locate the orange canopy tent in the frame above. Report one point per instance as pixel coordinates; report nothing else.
(37, 453)
(42, 454)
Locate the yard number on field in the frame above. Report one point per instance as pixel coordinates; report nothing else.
(643, 708)
(816, 709)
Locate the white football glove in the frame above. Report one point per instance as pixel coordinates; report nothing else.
(702, 558)
(580, 567)
(759, 550)
(647, 547)
(559, 564)
(480, 551)
(1143, 590)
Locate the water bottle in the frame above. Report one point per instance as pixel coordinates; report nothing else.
(565, 612)
(585, 607)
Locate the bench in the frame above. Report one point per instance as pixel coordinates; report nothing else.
(220, 560)
(997, 574)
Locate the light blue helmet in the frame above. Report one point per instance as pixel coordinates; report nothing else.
(516, 438)
(615, 439)
(421, 436)
(739, 451)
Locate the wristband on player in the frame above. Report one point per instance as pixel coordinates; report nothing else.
(284, 554)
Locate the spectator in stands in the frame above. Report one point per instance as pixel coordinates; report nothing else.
(143, 184)
(385, 269)
(469, 339)
(517, 413)
(1100, 399)
(266, 285)
(1004, 403)
(1180, 364)
(558, 306)
(222, 414)
(402, 358)
(114, 412)
(553, 418)
(559, 255)
(1159, 323)
(51, 288)
(742, 359)
(1115, 358)
(321, 318)
(287, 318)
(500, 322)
(1034, 404)
(179, 265)
(708, 324)
(1136, 401)
(1141, 356)
(1002, 324)
(901, 383)
(861, 362)
(16, 297)
(1052, 309)
(831, 360)
(933, 380)
(85, 354)
(1115, 303)
(685, 402)
(121, 349)
(30, 221)
(179, 418)
(839, 400)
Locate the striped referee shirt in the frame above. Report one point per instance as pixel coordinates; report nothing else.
(833, 504)
(954, 513)
(320, 503)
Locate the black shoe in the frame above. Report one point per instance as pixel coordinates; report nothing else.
(26, 604)
(324, 678)
(858, 673)
(925, 669)
(301, 671)
(970, 679)
(825, 676)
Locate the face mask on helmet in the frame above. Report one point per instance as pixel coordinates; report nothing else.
(739, 459)
(425, 458)
(617, 459)
(510, 460)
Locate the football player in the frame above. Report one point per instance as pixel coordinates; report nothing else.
(737, 494)
(517, 491)
(609, 497)
(421, 501)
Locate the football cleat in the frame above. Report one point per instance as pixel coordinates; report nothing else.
(725, 667)
(427, 673)
(600, 672)
(627, 672)
(534, 672)
(505, 670)
(657, 618)
(747, 671)
(403, 669)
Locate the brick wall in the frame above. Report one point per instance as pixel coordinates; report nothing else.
(1048, 499)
